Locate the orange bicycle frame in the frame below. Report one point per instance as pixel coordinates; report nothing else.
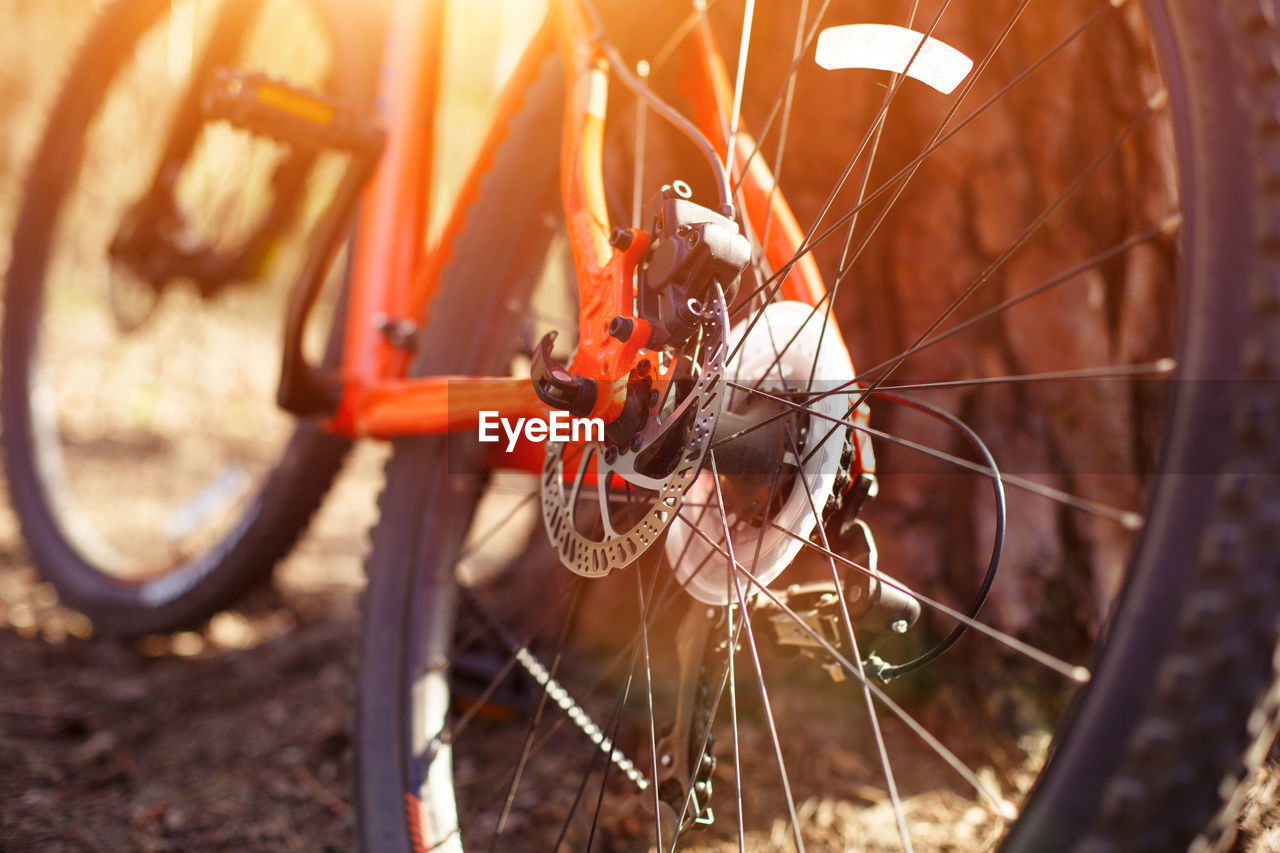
(394, 278)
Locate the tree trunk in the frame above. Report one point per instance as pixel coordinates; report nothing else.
(957, 218)
(965, 216)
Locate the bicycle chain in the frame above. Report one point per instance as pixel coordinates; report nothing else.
(561, 696)
(704, 714)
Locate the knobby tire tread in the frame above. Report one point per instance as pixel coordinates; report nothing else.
(425, 495)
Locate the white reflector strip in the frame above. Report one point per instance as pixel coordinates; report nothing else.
(889, 48)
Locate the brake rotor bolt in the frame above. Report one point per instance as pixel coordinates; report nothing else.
(620, 238)
(900, 626)
(621, 328)
(642, 369)
(636, 442)
(611, 456)
(665, 760)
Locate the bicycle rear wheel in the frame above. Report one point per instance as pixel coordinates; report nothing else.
(505, 705)
(153, 477)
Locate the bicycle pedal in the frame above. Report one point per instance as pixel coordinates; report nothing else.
(256, 103)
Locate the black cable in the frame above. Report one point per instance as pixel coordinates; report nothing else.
(668, 112)
(997, 546)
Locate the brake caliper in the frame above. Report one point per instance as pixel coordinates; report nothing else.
(693, 249)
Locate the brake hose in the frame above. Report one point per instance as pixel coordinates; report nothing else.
(668, 112)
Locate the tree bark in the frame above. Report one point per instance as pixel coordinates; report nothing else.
(955, 221)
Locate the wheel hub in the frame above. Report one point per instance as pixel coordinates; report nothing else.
(801, 476)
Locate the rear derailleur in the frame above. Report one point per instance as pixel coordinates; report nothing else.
(808, 618)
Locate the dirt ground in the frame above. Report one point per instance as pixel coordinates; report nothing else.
(238, 736)
(233, 738)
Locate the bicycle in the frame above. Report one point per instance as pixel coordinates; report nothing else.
(734, 500)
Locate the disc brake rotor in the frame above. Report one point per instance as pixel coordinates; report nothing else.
(812, 359)
(638, 490)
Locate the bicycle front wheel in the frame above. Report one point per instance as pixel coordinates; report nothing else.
(784, 669)
(152, 474)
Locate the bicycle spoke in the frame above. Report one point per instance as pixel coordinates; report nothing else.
(733, 646)
(784, 131)
(468, 595)
(983, 277)
(780, 100)
(668, 48)
(535, 721)
(460, 725)
(1160, 367)
(705, 739)
(493, 530)
(1002, 807)
(929, 150)
(1076, 673)
(1170, 224)
(809, 241)
(851, 634)
(995, 265)
(617, 724)
(733, 718)
(530, 749)
(637, 172)
(781, 275)
(1126, 518)
(648, 689)
(595, 755)
(846, 263)
(525, 752)
(727, 552)
(735, 112)
(1017, 243)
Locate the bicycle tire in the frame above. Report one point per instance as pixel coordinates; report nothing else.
(272, 519)
(506, 185)
(1151, 752)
